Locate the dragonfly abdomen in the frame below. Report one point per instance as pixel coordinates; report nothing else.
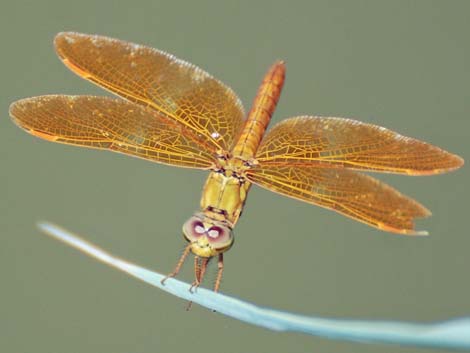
(260, 114)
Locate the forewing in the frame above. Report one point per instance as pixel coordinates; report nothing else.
(338, 142)
(355, 195)
(154, 78)
(112, 124)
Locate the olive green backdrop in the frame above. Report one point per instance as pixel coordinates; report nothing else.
(400, 64)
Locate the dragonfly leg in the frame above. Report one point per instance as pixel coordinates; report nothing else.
(197, 268)
(205, 262)
(178, 265)
(197, 273)
(200, 272)
(220, 269)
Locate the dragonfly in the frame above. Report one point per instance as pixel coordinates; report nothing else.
(172, 112)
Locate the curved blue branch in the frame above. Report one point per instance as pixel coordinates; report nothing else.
(452, 334)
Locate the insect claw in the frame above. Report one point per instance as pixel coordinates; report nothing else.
(194, 286)
(171, 275)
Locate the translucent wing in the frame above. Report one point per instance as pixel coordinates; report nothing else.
(154, 78)
(355, 195)
(309, 140)
(112, 124)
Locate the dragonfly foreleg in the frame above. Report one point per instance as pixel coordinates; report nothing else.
(220, 269)
(178, 265)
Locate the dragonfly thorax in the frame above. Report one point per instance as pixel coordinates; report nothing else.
(224, 194)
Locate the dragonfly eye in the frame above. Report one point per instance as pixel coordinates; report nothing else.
(193, 229)
(199, 227)
(220, 237)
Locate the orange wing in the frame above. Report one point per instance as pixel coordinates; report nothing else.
(358, 196)
(112, 124)
(337, 142)
(156, 79)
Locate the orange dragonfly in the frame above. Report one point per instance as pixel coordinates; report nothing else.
(175, 113)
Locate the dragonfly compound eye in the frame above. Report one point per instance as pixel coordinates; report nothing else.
(193, 229)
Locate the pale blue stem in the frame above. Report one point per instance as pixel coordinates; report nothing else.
(452, 334)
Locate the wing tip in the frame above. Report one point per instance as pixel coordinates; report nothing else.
(21, 110)
(13, 106)
(459, 162)
(418, 233)
(15, 109)
(68, 36)
(63, 41)
(403, 231)
(65, 37)
(452, 163)
(409, 232)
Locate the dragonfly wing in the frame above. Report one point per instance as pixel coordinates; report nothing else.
(355, 195)
(156, 79)
(112, 124)
(338, 142)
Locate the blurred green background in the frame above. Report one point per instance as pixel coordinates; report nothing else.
(400, 64)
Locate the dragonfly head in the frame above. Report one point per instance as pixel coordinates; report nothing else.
(208, 237)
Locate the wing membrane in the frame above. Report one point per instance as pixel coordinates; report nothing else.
(112, 124)
(309, 140)
(355, 195)
(154, 78)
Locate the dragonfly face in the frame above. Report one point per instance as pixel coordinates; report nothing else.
(172, 112)
(207, 237)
